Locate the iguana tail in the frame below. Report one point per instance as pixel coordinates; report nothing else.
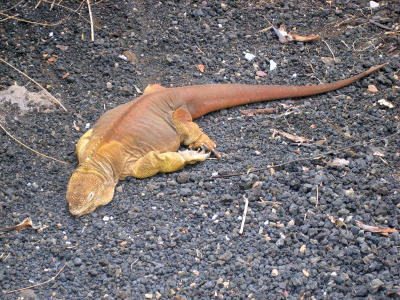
(203, 99)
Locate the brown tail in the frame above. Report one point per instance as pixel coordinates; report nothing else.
(202, 99)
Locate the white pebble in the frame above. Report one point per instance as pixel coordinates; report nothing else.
(373, 4)
(249, 56)
(272, 65)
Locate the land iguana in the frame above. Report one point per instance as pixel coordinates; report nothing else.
(141, 138)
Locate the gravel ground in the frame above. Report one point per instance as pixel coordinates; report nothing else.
(176, 236)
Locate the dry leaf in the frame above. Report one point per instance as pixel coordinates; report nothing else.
(285, 37)
(338, 222)
(293, 138)
(304, 38)
(21, 226)
(252, 112)
(52, 59)
(372, 88)
(130, 56)
(201, 68)
(376, 229)
(338, 163)
(65, 75)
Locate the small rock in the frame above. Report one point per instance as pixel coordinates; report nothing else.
(183, 177)
(226, 256)
(376, 284)
(185, 192)
(226, 197)
(274, 272)
(328, 60)
(99, 42)
(77, 261)
(28, 294)
(261, 73)
(338, 163)
(198, 13)
(126, 90)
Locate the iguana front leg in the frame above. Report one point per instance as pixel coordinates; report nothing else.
(190, 133)
(82, 143)
(155, 162)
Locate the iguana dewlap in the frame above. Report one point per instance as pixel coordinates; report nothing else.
(141, 138)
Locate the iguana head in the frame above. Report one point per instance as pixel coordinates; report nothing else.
(86, 191)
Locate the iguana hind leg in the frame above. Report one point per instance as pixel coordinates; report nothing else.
(155, 162)
(191, 134)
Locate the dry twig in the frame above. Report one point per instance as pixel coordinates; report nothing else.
(252, 112)
(32, 22)
(37, 284)
(246, 206)
(91, 20)
(333, 55)
(376, 229)
(29, 148)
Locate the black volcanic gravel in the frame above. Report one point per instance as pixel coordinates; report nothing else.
(176, 236)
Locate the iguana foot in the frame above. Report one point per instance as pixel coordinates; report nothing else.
(191, 134)
(192, 157)
(155, 162)
(204, 142)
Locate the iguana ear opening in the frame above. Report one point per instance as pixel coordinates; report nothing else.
(87, 191)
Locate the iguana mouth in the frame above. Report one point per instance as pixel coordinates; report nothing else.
(78, 212)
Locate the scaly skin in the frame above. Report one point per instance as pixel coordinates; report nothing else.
(141, 138)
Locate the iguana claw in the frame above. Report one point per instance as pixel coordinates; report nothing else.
(215, 152)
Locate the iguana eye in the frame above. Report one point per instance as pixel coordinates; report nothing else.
(90, 196)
